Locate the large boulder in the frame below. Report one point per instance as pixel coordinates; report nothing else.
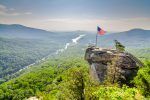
(100, 60)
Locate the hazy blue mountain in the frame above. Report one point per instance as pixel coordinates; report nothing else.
(21, 46)
(131, 39)
(20, 31)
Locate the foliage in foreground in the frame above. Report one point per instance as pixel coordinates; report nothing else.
(116, 93)
(142, 80)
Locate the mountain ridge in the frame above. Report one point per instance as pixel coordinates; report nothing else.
(23, 26)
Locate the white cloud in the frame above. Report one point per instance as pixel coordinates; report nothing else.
(12, 9)
(5, 11)
(2, 7)
(27, 13)
(69, 24)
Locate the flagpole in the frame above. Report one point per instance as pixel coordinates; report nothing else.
(96, 40)
(99, 31)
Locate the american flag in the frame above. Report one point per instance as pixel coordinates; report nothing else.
(100, 31)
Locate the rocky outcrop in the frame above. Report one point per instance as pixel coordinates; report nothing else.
(100, 61)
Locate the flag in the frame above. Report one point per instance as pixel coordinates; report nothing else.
(100, 31)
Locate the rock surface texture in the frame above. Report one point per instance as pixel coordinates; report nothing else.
(100, 61)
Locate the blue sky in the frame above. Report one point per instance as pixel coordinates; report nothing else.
(67, 15)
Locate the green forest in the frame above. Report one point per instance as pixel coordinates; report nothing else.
(65, 76)
(68, 78)
(16, 53)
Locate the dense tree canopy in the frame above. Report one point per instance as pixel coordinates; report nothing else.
(65, 78)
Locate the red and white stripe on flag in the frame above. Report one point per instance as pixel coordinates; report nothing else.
(100, 31)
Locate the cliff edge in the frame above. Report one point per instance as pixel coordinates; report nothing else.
(125, 65)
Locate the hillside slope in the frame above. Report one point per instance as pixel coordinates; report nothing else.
(65, 78)
(21, 46)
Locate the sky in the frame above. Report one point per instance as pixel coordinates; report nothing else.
(70, 15)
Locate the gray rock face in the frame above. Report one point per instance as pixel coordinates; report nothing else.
(100, 61)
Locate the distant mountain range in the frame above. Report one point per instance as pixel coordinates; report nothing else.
(21, 31)
(135, 38)
(132, 34)
(130, 38)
